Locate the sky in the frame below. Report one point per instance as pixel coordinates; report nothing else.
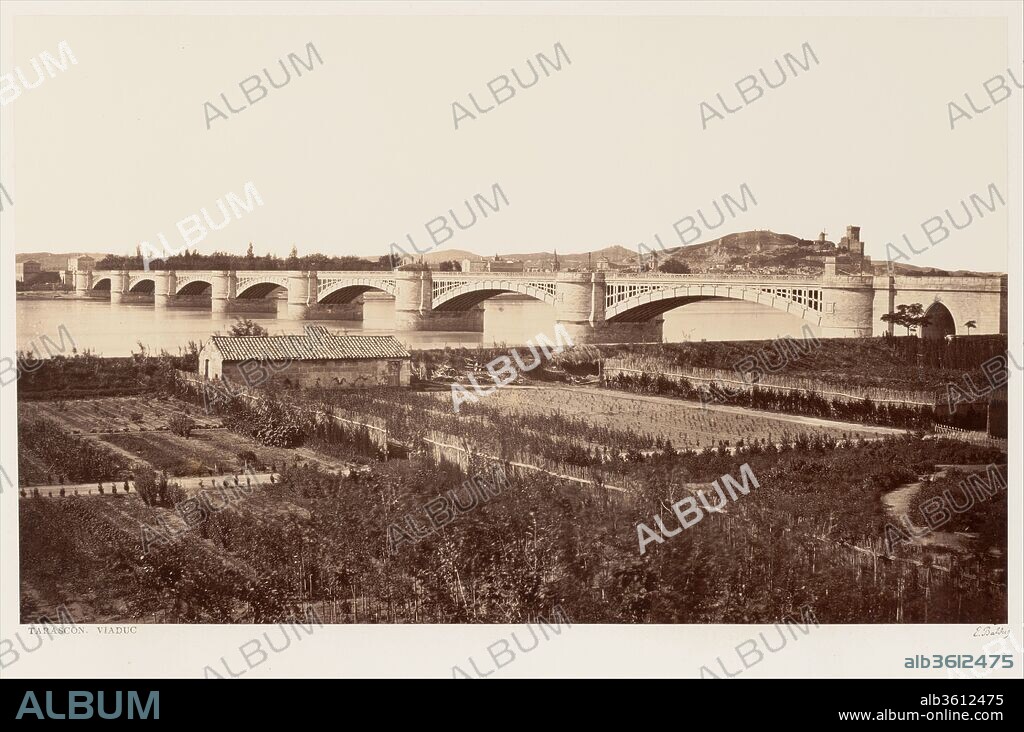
(363, 150)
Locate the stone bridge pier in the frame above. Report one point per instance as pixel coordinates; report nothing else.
(222, 291)
(302, 287)
(165, 285)
(118, 287)
(414, 310)
(848, 303)
(580, 301)
(83, 283)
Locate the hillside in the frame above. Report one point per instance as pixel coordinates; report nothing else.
(769, 252)
(755, 250)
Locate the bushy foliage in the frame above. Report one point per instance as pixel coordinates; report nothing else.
(181, 425)
(268, 421)
(792, 402)
(47, 453)
(83, 375)
(155, 490)
(247, 327)
(322, 538)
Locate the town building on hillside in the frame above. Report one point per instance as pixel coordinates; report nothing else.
(24, 271)
(81, 263)
(496, 264)
(317, 358)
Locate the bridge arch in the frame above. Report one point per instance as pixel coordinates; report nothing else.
(102, 283)
(259, 287)
(197, 286)
(940, 321)
(463, 295)
(804, 303)
(335, 291)
(142, 284)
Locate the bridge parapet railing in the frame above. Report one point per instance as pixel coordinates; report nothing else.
(609, 276)
(715, 277)
(372, 273)
(635, 276)
(493, 275)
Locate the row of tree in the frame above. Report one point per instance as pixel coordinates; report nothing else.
(250, 261)
(192, 259)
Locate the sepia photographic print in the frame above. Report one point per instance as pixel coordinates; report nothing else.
(692, 326)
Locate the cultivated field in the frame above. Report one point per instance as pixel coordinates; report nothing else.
(684, 423)
(585, 466)
(809, 534)
(135, 430)
(118, 414)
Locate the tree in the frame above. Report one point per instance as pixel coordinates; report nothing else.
(674, 266)
(247, 328)
(450, 265)
(146, 486)
(389, 261)
(181, 425)
(247, 458)
(249, 253)
(969, 325)
(910, 317)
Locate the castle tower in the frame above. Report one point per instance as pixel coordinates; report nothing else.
(855, 245)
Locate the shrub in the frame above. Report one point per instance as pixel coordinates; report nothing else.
(154, 489)
(181, 425)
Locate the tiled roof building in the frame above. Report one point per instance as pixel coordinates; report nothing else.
(317, 358)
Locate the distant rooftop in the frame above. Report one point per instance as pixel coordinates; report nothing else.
(318, 344)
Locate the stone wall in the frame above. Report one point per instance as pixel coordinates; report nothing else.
(352, 374)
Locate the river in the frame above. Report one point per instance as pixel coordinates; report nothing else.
(109, 330)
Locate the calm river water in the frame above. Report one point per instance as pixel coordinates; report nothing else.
(116, 330)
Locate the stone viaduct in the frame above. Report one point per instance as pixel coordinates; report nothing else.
(593, 306)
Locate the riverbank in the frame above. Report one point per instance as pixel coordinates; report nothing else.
(49, 295)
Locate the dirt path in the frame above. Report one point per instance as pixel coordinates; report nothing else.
(897, 504)
(188, 484)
